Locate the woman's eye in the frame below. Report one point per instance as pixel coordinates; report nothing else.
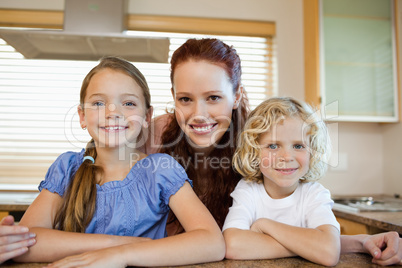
(184, 99)
(273, 146)
(214, 98)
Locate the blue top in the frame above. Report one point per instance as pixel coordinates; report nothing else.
(136, 206)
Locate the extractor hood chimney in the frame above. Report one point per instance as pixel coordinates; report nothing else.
(92, 29)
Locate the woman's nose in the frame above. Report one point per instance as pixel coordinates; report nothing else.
(200, 110)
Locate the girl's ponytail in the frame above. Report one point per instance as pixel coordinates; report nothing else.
(79, 200)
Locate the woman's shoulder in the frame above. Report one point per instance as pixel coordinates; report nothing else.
(155, 131)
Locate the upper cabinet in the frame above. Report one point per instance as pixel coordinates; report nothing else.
(353, 73)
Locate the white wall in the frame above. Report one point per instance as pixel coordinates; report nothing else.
(372, 150)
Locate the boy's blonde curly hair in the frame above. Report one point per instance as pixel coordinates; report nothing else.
(247, 158)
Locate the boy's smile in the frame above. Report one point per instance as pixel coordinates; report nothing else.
(285, 156)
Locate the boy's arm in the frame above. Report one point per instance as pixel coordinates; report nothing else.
(251, 245)
(320, 245)
(53, 244)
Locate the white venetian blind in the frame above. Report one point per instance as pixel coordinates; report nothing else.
(39, 98)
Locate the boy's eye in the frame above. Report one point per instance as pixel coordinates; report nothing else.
(298, 146)
(273, 146)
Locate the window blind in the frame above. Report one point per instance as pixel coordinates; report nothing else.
(39, 98)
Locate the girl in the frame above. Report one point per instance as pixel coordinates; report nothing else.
(112, 188)
(278, 209)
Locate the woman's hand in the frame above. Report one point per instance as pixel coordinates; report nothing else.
(14, 240)
(386, 248)
(109, 257)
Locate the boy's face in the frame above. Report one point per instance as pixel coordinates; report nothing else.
(285, 156)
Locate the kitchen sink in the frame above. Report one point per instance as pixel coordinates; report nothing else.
(368, 203)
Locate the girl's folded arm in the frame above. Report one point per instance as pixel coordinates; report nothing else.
(201, 242)
(320, 245)
(53, 244)
(250, 245)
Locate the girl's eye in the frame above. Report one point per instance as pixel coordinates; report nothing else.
(214, 98)
(298, 146)
(98, 103)
(273, 146)
(184, 99)
(130, 103)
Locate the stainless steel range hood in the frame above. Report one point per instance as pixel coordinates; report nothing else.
(92, 29)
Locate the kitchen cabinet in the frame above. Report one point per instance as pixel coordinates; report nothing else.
(350, 59)
(349, 227)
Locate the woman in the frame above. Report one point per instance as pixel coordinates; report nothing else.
(208, 95)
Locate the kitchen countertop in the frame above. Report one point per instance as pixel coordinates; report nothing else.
(346, 261)
(384, 220)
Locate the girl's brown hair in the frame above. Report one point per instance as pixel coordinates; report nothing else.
(215, 188)
(79, 199)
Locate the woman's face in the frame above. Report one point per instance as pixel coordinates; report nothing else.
(204, 101)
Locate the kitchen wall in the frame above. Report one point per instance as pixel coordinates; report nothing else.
(366, 154)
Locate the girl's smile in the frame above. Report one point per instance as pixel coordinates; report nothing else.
(114, 109)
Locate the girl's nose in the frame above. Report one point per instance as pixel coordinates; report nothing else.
(112, 111)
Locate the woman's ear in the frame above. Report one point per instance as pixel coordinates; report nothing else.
(238, 96)
(82, 116)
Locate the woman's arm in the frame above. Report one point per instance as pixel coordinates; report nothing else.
(14, 239)
(202, 241)
(53, 244)
(386, 248)
(320, 245)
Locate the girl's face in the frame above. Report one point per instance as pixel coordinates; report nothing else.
(204, 101)
(285, 156)
(114, 109)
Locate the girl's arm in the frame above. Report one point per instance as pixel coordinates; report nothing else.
(202, 241)
(320, 245)
(53, 244)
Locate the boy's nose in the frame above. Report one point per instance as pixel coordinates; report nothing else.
(285, 155)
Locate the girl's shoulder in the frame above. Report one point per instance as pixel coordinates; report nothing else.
(159, 162)
(62, 171)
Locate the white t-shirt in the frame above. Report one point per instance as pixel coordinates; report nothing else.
(309, 206)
